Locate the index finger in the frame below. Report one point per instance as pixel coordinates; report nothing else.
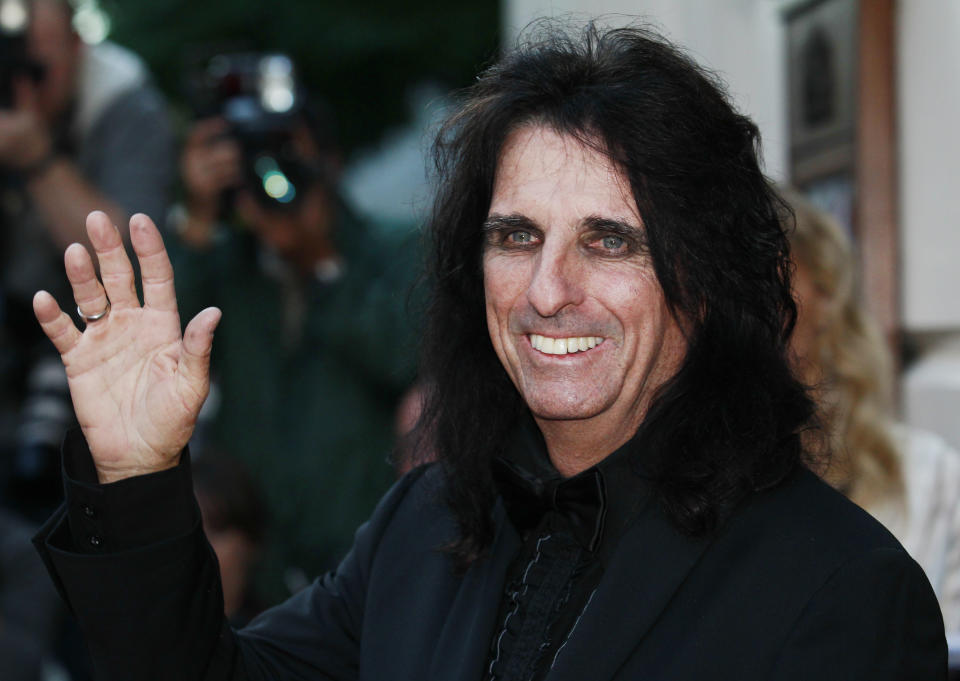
(155, 269)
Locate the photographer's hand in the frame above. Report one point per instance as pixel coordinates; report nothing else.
(210, 164)
(59, 192)
(25, 142)
(137, 386)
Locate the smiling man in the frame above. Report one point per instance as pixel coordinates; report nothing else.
(574, 309)
(621, 491)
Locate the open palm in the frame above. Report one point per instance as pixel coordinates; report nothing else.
(136, 385)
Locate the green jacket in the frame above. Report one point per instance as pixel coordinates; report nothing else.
(312, 417)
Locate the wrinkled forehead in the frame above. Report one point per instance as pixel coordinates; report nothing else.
(550, 171)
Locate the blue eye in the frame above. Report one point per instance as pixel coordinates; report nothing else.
(612, 243)
(520, 237)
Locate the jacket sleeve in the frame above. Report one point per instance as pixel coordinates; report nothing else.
(875, 618)
(146, 591)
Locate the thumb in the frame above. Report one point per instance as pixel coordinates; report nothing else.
(194, 366)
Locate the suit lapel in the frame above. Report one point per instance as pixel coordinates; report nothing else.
(463, 646)
(650, 563)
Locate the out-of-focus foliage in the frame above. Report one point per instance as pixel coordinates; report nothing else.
(360, 56)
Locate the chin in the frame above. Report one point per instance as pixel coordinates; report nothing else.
(568, 407)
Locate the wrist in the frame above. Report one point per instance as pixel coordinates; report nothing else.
(107, 475)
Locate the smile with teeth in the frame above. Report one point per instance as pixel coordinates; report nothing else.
(563, 346)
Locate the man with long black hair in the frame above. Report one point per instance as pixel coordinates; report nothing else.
(621, 491)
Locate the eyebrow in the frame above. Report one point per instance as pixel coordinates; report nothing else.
(496, 222)
(618, 227)
(517, 221)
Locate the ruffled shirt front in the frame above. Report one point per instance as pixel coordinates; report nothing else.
(552, 579)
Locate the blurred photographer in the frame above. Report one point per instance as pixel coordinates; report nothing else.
(81, 126)
(266, 158)
(315, 342)
(69, 108)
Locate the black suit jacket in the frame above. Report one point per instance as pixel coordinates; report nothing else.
(799, 584)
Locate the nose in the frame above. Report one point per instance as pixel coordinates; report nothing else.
(556, 283)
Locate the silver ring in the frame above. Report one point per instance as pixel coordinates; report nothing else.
(94, 317)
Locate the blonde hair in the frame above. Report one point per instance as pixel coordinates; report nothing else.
(854, 369)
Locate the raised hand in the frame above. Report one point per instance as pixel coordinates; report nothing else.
(137, 386)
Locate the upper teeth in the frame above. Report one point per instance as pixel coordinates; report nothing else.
(562, 346)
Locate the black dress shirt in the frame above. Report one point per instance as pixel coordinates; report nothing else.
(551, 580)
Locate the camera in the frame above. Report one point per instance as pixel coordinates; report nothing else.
(14, 59)
(261, 100)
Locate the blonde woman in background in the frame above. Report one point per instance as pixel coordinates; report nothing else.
(907, 478)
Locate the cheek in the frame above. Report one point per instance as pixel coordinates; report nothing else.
(652, 335)
(500, 288)
(498, 285)
(810, 325)
(635, 300)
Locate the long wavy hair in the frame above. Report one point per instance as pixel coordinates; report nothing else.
(848, 366)
(729, 421)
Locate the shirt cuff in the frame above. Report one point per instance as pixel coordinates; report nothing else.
(127, 514)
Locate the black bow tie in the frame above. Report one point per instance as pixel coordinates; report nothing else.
(580, 499)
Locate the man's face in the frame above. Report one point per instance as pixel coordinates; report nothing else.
(574, 309)
(53, 43)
